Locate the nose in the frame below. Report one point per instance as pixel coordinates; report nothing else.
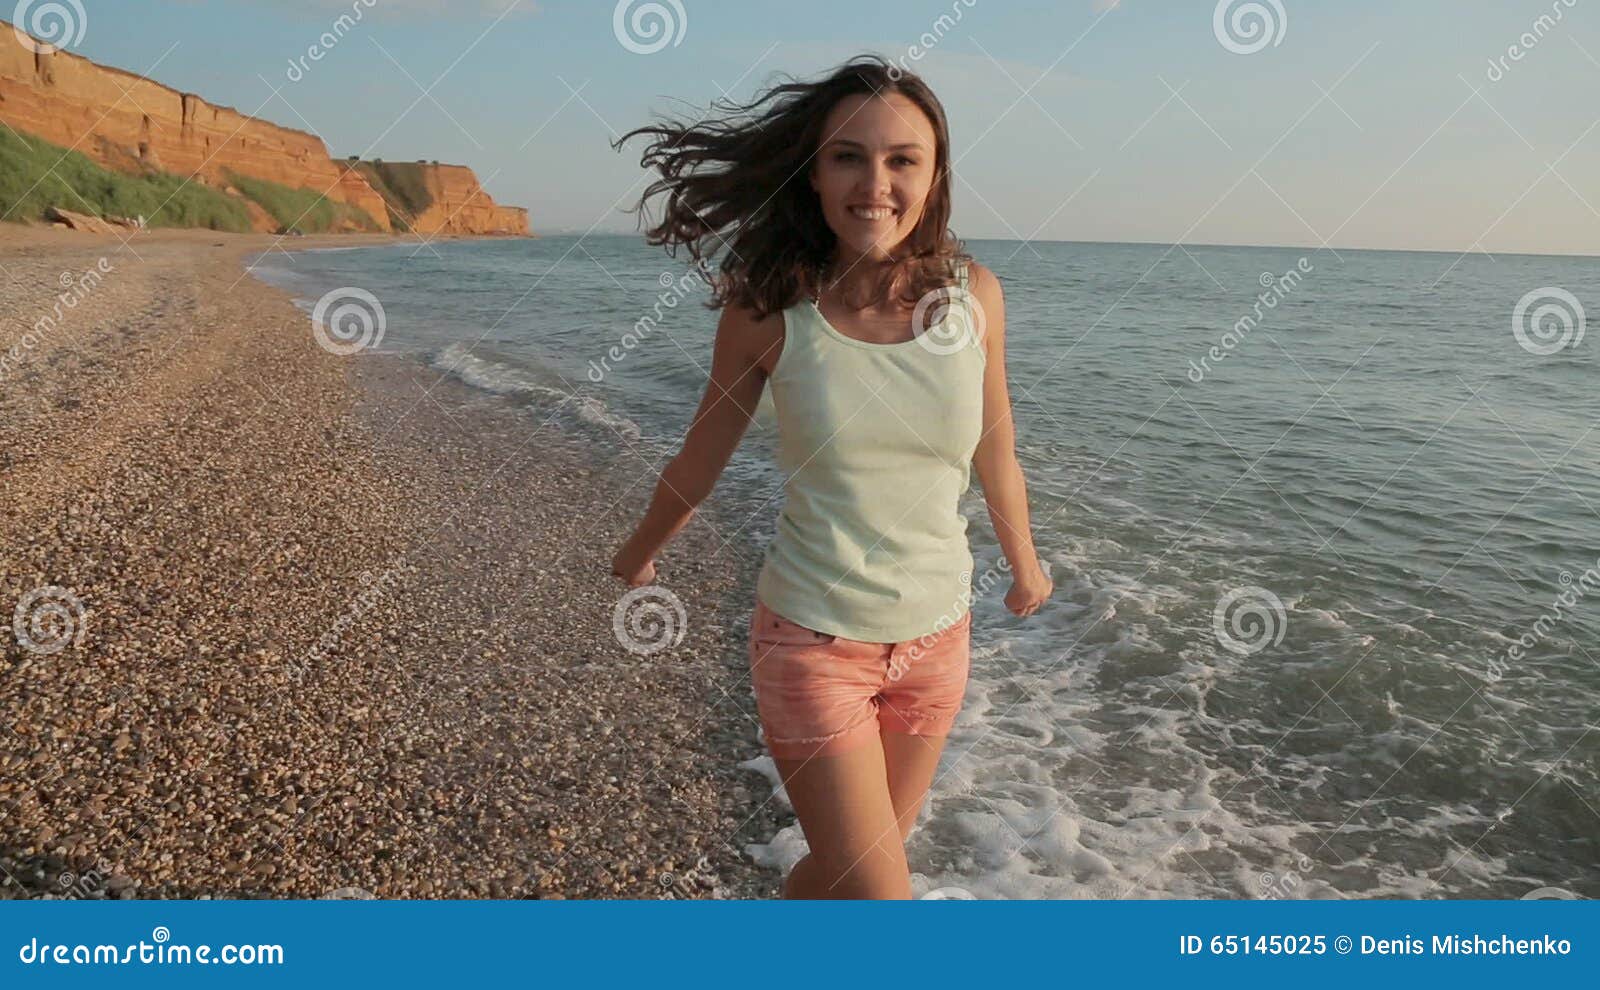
(878, 181)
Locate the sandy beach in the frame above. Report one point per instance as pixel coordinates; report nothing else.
(334, 624)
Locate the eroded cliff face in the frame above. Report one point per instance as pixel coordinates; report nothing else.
(431, 198)
(128, 123)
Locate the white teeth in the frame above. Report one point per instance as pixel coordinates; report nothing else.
(876, 214)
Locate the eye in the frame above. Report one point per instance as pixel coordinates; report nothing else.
(906, 158)
(844, 155)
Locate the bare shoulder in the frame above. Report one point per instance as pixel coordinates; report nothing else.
(753, 339)
(983, 282)
(991, 308)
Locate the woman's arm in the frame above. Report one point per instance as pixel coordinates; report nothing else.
(719, 423)
(1004, 489)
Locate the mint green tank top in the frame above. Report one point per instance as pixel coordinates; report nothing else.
(875, 442)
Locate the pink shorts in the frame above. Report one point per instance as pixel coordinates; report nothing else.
(820, 694)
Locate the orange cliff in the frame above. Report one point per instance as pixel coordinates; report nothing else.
(430, 198)
(129, 123)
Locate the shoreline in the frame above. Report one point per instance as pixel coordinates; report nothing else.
(346, 622)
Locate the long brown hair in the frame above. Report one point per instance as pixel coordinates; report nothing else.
(738, 182)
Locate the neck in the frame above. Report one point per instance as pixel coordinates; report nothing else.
(856, 275)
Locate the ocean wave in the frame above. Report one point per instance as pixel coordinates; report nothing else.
(501, 378)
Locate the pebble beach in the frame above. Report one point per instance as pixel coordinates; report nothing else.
(284, 623)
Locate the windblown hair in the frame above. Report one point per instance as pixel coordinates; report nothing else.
(740, 182)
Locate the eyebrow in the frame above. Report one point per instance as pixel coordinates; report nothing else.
(916, 145)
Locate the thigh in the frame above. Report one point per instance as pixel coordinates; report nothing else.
(849, 822)
(910, 762)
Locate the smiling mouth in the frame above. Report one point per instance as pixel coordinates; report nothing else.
(872, 213)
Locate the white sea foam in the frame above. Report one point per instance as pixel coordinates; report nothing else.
(503, 379)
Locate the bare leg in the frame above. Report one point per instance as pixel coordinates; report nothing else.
(848, 817)
(911, 762)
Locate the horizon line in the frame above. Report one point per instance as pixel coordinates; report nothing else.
(1191, 244)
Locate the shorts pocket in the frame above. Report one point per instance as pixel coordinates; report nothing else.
(773, 629)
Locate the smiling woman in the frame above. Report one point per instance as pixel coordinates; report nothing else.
(734, 184)
(847, 293)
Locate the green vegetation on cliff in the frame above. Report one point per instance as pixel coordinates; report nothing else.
(36, 176)
(302, 209)
(402, 185)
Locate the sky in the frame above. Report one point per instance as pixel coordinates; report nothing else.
(1423, 124)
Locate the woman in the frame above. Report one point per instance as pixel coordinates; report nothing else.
(831, 201)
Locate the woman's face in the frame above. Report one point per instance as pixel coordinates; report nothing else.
(874, 170)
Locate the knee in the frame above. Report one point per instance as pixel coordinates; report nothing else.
(875, 877)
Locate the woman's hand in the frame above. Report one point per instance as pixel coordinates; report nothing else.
(1029, 590)
(633, 571)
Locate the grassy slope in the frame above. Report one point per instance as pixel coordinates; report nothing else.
(301, 209)
(402, 186)
(36, 175)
